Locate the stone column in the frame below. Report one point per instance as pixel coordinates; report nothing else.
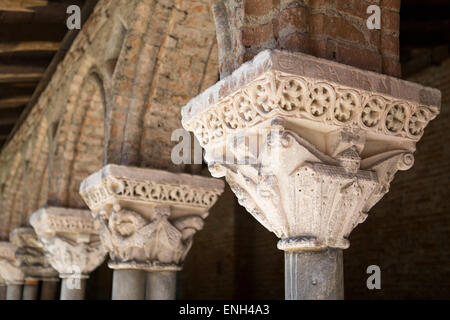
(72, 246)
(30, 289)
(309, 146)
(148, 219)
(161, 285)
(10, 271)
(2, 289)
(32, 261)
(49, 289)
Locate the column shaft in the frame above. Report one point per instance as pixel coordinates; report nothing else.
(48, 290)
(161, 285)
(72, 291)
(314, 275)
(2, 292)
(14, 292)
(128, 285)
(30, 290)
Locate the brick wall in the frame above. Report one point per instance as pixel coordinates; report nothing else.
(407, 232)
(330, 29)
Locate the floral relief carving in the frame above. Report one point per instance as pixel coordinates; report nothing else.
(125, 188)
(278, 93)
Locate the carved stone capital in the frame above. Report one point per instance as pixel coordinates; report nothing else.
(308, 145)
(148, 217)
(30, 255)
(70, 239)
(9, 265)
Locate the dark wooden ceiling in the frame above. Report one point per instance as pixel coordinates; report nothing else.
(32, 32)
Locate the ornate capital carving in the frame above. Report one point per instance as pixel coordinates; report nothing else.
(307, 145)
(9, 265)
(70, 239)
(148, 217)
(313, 91)
(30, 255)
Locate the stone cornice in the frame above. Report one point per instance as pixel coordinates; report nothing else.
(148, 217)
(53, 220)
(70, 238)
(299, 86)
(150, 187)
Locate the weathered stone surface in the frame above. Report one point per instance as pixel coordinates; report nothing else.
(309, 153)
(148, 217)
(71, 240)
(9, 265)
(30, 255)
(305, 87)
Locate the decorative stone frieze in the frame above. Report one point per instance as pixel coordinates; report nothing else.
(30, 255)
(308, 145)
(9, 265)
(71, 240)
(148, 217)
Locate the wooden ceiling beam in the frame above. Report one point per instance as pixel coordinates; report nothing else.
(21, 5)
(14, 102)
(18, 73)
(22, 32)
(8, 120)
(10, 47)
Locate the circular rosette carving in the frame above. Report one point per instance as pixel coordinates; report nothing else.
(372, 112)
(346, 105)
(418, 121)
(321, 99)
(263, 96)
(292, 96)
(245, 109)
(396, 116)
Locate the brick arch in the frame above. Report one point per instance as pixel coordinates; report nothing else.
(7, 195)
(172, 47)
(65, 130)
(10, 195)
(38, 162)
(89, 145)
